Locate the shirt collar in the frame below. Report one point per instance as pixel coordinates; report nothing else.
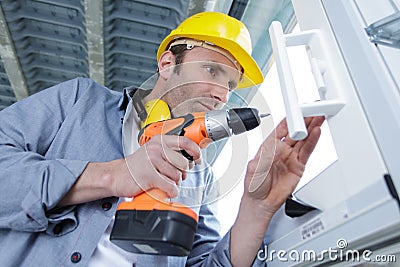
(126, 97)
(131, 124)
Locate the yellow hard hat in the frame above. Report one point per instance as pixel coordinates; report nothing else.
(224, 31)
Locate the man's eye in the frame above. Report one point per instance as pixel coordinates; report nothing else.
(231, 86)
(211, 70)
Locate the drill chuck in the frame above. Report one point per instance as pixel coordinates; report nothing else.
(241, 120)
(223, 123)
(216, 122)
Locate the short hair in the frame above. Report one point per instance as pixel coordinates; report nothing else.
(179, 52)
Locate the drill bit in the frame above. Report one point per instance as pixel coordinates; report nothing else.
(263, 115)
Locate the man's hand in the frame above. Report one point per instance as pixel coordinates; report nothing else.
(270, 178)
(157, 164)
(279, 164)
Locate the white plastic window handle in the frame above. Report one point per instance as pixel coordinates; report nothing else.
(294, 117)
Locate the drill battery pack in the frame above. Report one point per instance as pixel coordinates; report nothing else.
(165, 229)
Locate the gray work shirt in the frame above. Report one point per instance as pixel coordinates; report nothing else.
(46, 141)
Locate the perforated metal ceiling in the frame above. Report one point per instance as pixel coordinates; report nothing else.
(44, 42)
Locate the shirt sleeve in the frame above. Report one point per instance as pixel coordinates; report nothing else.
(32, 182)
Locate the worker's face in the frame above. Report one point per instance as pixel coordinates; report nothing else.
(202, 82)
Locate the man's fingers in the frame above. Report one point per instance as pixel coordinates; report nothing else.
(191, 165)
(168, 187)
(281, 130)
(170, 171)
(182, 143)
(309, 144)
(165, 155)
(282, 133)
(311, 122)
(176, 159)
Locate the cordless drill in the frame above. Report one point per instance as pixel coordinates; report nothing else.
(150, 224)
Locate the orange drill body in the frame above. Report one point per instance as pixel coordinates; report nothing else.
(191, 126)
(154, 203)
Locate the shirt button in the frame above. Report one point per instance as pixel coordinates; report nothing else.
(76, 257)
(106, 206)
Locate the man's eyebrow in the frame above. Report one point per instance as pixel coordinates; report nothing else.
(218, 66)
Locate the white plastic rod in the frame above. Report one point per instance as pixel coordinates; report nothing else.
(294, 117)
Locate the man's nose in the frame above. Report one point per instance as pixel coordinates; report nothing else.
(220, 93)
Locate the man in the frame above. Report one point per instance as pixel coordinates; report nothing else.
(63, 166)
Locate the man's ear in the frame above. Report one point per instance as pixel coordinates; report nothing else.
(166, 64)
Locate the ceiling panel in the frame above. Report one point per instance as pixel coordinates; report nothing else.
(49, 40)
(7, 96)
(132, 32)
